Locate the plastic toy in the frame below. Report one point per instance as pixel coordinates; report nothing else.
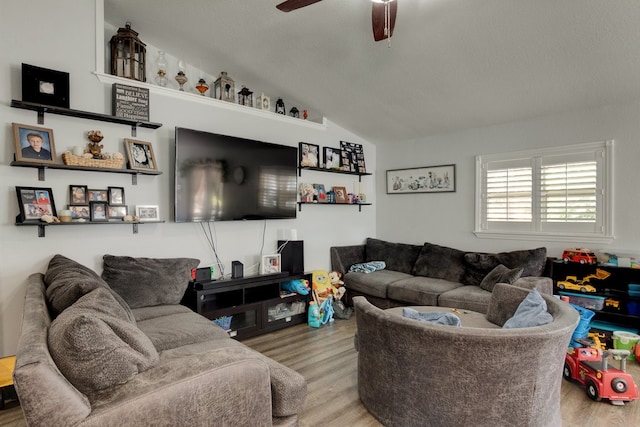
(321, 284)
(581, 255)
(588, 366)
(300, 286)
(326, 311)
(583, 285)
(313, 317)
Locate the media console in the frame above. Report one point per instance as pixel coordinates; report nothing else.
(254, 304)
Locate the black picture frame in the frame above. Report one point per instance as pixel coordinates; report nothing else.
(34, 202)
(117, 212)
(427, 179)
(80, 212)
(98, 211)
(78, 195)
(308, 155)
(331, 158)
(352, 157)
(115, 196)
(45, 86)
(97, 195)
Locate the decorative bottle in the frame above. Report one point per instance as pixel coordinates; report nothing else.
(161, 78)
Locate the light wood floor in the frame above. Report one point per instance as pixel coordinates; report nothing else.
(327, 360)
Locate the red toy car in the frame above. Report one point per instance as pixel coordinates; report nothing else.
(588, 366)
(581, 255)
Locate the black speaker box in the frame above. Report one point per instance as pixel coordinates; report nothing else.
(237, 270)
(292, 256)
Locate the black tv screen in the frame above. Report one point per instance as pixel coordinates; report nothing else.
(226, 178)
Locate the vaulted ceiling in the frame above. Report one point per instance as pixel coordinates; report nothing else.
(452, 64)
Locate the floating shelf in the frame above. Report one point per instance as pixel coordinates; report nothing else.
(333, 204)
(41, 225)
(309, 168)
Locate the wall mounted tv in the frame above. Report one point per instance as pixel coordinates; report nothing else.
(226, 178)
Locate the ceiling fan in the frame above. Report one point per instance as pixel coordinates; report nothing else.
(383, 14)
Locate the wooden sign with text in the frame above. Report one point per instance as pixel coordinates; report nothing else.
(130, 102)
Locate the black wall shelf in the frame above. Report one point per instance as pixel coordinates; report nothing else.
(333, 204)
(41, 225)
(309, 168)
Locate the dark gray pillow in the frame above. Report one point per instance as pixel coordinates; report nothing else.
(532, 311)
(500, 274)
(479, 264)
(397, 256)
(145, 282)
(96, 350)
(440, 262)
(67, 280)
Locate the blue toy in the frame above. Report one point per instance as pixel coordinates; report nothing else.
(300, 286)
(326, 309)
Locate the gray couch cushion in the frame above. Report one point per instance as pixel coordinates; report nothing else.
(466, 298)
(397, 256)
(96, 350)
(479, 264)
(144, 282)
(67, 280)
(375, 283)
(500, 274)
(419, 290)
(440, 262)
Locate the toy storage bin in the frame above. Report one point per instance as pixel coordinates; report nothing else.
(623, 340)
(591, 302)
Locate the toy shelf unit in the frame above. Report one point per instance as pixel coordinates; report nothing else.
(249, 306)
(606, 290)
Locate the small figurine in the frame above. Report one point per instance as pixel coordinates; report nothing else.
(95, 148)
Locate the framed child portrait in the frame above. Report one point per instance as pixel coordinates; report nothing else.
(34, 202)
(98, 211)
(115, 195)
(308, 154)
(340, 194)
(34, 144)
(78, 195)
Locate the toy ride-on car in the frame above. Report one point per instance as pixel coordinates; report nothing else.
(588, 366)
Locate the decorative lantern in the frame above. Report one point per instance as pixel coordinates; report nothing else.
(224, 88)
(245, 97)
(263, 102)
(294, 112)
(202, 86)
(280, 107)
(128, 54)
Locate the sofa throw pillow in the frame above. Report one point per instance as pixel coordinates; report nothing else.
(532, 311)
(435, 317)
(439, 262)
(397, 256)
(500, 274)
(145, 282)
(479, 264)
(67, 280)
(96, 350)
(367, 267)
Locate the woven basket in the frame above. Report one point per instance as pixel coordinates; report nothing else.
(73, 160)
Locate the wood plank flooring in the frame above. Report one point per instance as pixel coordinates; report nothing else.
(327, 360)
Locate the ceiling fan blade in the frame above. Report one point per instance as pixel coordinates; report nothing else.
(378, 21)
(289, 5)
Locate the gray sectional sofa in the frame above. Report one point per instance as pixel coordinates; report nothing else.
(437, 275)
(120, 350)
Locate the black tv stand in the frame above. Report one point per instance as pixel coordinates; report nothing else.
(254, 304)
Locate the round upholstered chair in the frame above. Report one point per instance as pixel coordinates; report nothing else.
(412, 373)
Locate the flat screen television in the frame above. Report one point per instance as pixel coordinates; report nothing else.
(226, 178)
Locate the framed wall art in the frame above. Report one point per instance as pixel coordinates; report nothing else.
(45, 86)
(430, 179)
(147, 213)
(140, 155)
(270, 264)
(352, 157)
(78, 195)
(34, 144)
(34, 202)
(331, 158)
(308, 154)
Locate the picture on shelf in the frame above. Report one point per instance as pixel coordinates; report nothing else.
(331, 158)
(80, 212)
(140, 155)
(340, 194)
(34, 202)
(116, 195)
(147, 213)
(98, 195)
(116, 213)
(78, 195)
(352, 157)
(270, 264)
(321, 193)
(98, 211)
(308, 154)
(34, 144)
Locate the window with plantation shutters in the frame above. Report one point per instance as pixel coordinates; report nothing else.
(560, 193)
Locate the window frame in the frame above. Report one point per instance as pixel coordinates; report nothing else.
(533, 230)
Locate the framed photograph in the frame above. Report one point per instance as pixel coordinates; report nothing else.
(45, 86)
(309, 155)
(80, 212)
(116, 213)
(34, 144)
(147, 212)
(270, 264)
(35, 202)
(140, 155)
(98, 195)
(340, 193)
(98, 211)
(430, 179)
(331, 158)
(78, 195)
(352, 157)
(321, 193)
(116, 195)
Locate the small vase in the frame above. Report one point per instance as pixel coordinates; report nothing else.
(161, 78)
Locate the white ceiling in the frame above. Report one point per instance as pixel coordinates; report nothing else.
(452, 64)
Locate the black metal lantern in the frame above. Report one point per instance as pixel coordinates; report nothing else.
(280, 107)
(128, 54)
(245, 97)
(294, 112)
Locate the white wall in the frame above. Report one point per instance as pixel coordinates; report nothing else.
(61, 36)
(448, 218)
